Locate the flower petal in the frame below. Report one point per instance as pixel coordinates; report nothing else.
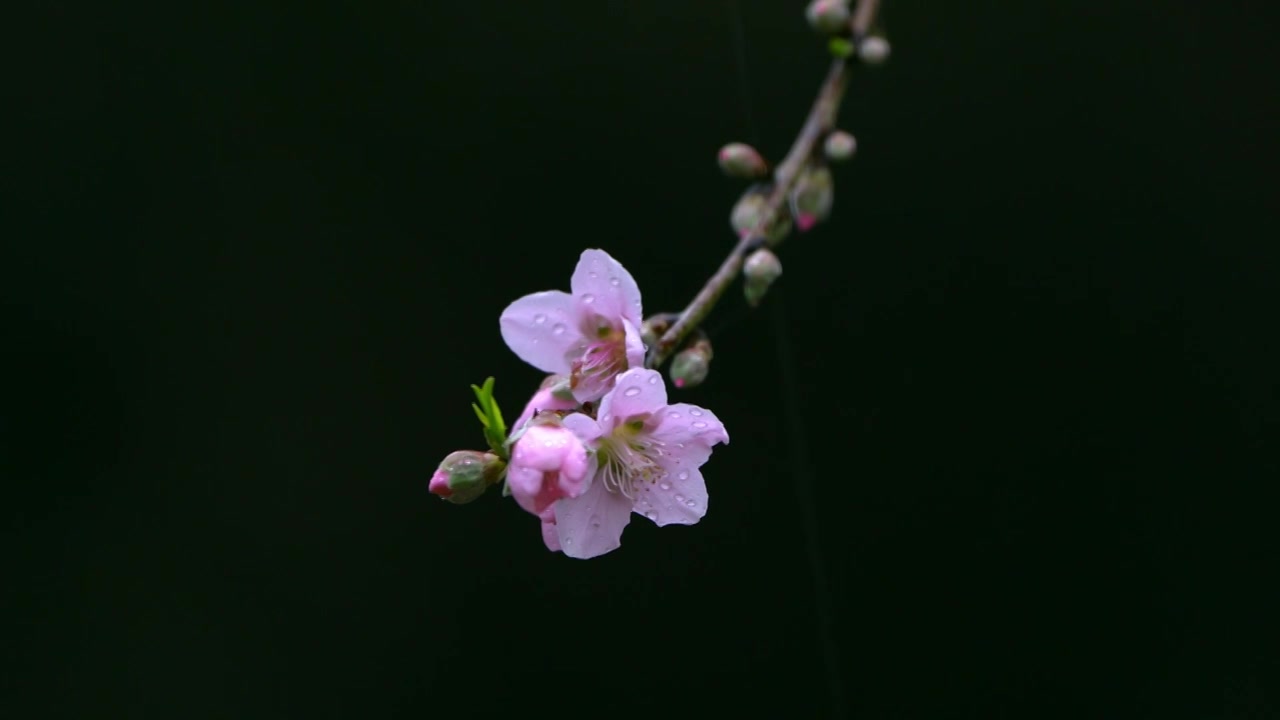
(634, 344)
(529, 488)
(602, 285)
(583, 426)
(542, 329)
(688, 432)
(678, 499)
(550, 536)
(576, 472)
(592, 524)
(635, 392)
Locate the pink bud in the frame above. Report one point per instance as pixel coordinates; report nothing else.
(742, 161)
(464, 475)
(548, 462)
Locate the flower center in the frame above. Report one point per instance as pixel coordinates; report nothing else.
(603, 358)
(626, 461)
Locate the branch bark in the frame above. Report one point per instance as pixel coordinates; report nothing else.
(821, 120)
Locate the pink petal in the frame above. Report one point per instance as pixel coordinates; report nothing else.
(542, 329)
(543, 447)
(526, 487)
(689, 432)
(592, 524)
(678, 499)
(550, 536)
(576, 472)
(586, 428)
(603, 286)
(634, 344)
(635, 392)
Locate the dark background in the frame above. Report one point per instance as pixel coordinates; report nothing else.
(259, 251)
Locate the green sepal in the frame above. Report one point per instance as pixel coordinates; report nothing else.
(840, 47)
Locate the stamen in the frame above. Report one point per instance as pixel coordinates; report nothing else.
(625, 463)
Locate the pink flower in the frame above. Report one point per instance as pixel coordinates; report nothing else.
(647, 455)
(589, 335)
(548, 462)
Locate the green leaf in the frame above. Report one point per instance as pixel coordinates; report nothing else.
(484, 420)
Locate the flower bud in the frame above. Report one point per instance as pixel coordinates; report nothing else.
(464, 475)
(690, 366)
(759, 271)
(750, 208)
(828, 16)
(839, 146)
(812, 197)
(548, 462)
(873, 50)
(740, 160)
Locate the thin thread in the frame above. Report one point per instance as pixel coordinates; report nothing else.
(802, 481)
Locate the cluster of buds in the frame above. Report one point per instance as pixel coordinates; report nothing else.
(834, 19)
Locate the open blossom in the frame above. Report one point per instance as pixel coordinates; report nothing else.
(548, 462)
(590, 334)
(647, 455)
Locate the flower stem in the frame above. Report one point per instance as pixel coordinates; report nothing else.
(821, 119)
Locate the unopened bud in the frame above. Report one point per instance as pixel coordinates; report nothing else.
(873, 50)
(758, 272)
(464, 475)
(749, 211)
(812, 197)
(740, 160)
(653, 328)
(839, 146)
(690, 366)
(828, 16)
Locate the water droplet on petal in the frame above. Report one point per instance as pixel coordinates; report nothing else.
(592, 274)
(699, 424)
(652, 515)
(691, 504)
(679, 498)
(665, 485)
(615, 281)
(683, 475)
(695, 412)
(595, 521)
(539, 319)
(673, 414)
(558, 329)
(653, 379)
(631, 391)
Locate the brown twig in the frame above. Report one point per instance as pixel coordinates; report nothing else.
(821, 119)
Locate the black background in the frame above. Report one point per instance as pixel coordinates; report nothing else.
(259, 253)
